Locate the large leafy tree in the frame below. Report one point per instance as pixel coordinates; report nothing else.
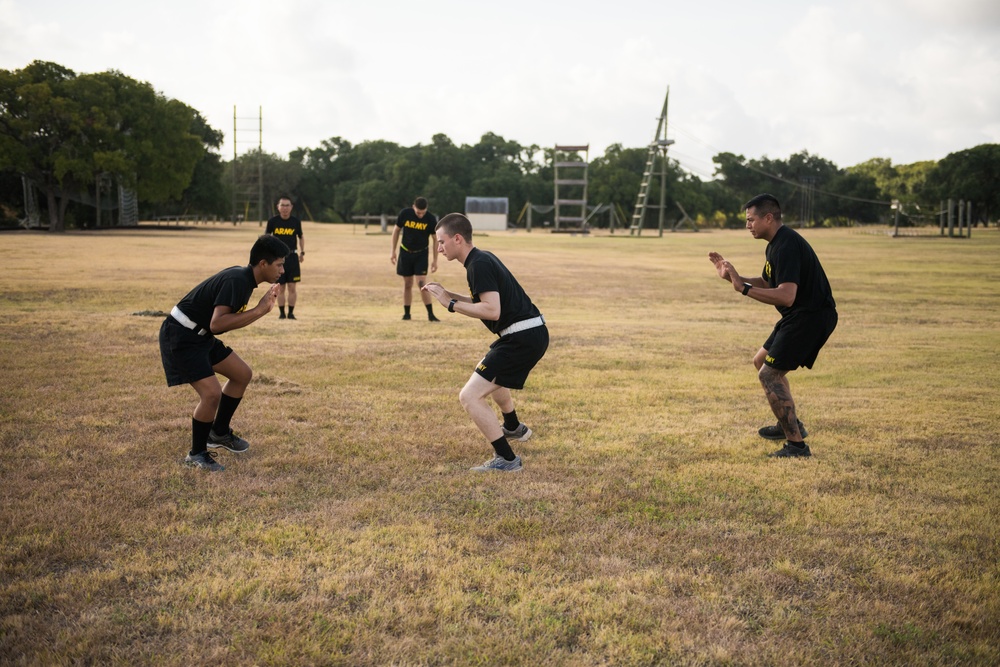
(616, 176)
(972, 175)
(903, 183)
(41, 123)
(810, 188)
(64, 131)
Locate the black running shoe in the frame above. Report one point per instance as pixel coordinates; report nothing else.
(777, 433)
(204, 460)
(791, 450)
(230, 441)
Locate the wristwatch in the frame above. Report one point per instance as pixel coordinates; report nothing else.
(451, 306)
(746, 288)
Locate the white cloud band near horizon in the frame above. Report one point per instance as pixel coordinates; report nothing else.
(907, 80)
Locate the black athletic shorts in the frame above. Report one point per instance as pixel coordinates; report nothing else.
(797, 339)
(188, 357)
(512, 357)
(293, 271)
(411, 263)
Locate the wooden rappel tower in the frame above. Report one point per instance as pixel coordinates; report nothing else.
(570, 170)
(657, 149)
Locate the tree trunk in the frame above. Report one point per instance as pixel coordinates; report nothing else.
(57, 211)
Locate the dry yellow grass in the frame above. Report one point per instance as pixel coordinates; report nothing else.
(647, 527)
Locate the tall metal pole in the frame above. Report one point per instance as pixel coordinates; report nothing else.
(663, 179)
(234, 164)
(260, 165)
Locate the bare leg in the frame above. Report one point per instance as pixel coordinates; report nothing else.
(473, 398)
(408, 290)
(293, 293)
(504, 399)
(425, 296)
(779, 395)
(238, 375)
(209, 393)
(281, 296)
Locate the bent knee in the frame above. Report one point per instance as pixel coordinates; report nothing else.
(211, 397)
(244, 376)
(465, 397)
(765, 373)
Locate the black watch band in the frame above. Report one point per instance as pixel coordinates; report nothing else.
(746, 288)
(451, 306)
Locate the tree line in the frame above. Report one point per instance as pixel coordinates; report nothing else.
(67, 134)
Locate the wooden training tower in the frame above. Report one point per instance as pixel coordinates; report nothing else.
(658, 148)
(570, 171)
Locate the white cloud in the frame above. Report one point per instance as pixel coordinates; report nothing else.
(904, 79)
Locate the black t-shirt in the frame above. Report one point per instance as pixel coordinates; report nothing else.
(230, 287)
(790, 259)
(416, 231)
(286, 230)
(486, 273)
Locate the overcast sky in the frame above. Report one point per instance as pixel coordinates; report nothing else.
(847, 80)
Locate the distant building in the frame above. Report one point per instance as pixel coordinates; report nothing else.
(487, 213)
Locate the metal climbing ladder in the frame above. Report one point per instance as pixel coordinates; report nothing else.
(658, 147)
(570, 186)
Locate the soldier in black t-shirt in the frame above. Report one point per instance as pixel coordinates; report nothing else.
(417, 228)
(793, 281)
(191, 353)
(502, 305)
(288, 228)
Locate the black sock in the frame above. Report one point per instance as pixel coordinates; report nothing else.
(281, 309)
(799, 445)
(227, 407)
(510, 420)
(430, 308)
(503, 450)
(199, 436)
(406, 310)
(291, 309)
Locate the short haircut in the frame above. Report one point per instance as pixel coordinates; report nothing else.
(283, 196)
(269, 248)
(456, 223)
(765, 203)
(420, 204)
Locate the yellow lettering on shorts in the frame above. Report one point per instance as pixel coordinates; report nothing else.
(769, 359)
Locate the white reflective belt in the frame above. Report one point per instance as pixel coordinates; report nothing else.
(186, 321)
(523, 325)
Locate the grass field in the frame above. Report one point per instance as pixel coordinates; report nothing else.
(647, 528)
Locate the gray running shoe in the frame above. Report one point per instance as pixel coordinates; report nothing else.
(500, 464)
(230, 441)
(521, 433)
(790, 450)
(204, 460)
(777, 433)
